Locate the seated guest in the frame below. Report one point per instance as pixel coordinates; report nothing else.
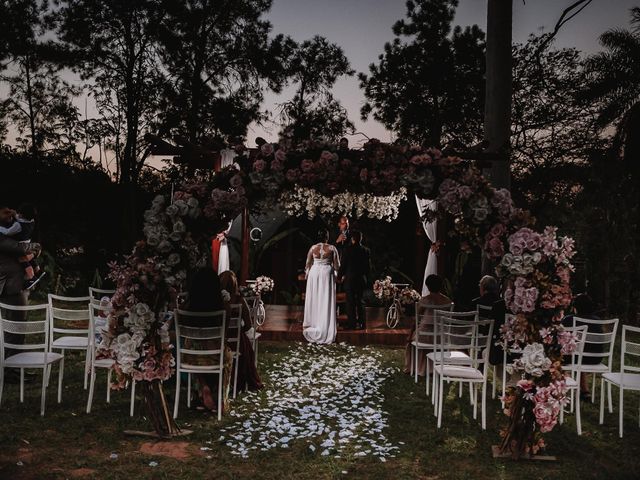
(205, 295)
(489, 292)
(584, 307)
(424, 308)
(248, 376)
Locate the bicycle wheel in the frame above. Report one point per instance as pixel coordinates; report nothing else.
(392, 316)
(261, 313)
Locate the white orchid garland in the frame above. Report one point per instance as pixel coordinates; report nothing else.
(309, 201)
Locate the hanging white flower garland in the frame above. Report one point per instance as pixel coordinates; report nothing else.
(309, 201)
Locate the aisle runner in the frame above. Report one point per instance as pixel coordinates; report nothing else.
(326, 396)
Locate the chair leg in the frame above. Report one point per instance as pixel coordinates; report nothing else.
(416, 354)
(474, 400)
(60, 377)
(440, 390)
(601, 401)
(133, 397)
(609, 396)
(177, 399)
(484, 405)
(427, 377)
(220, 394)
(43, 396)
(593, 388)
(621, 408)
(578, 415)
(255, 353)
(109, 386)
(460, 385)
(472, 397)
(561, 419)
(22, 385)
(493, 383)
(572, 399)
(87, 366)
(504, 382)
(188, 390)
(92, 383)
(235, 377)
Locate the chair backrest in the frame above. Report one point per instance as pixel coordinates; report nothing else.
(204, 341)
(234, 323)
(605, 340)
(473, 336)
(581, 339)
(70, 320)
(251, 303)
(484, 311)
(98, 293)
(428, 328)
(630, 351)
(39, 328)
(98, 319)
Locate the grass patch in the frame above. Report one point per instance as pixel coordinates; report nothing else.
(68, 443)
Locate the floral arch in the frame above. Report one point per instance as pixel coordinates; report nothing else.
(534, 266)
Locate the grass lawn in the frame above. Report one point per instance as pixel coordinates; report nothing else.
(68, 443)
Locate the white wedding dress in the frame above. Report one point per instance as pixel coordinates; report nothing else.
(320, 299)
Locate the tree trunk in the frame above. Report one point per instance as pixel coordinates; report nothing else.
(497, 110)
(32, 120)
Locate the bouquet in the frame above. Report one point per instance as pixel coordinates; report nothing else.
(409, 296)
(263, 284)
(384, 289)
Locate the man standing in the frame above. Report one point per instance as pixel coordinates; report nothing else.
(11, 275)
(354, 271)
(344, 237)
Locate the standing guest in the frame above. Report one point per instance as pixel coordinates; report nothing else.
(344, 237)
(248, 377)
(585, 307)
(12, 281)
(343, 145)
(354, 272)
(425, 308)
(21, 230)
(205, 295)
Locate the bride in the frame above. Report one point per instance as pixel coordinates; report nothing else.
(320, 299)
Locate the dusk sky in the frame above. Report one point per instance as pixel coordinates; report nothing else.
(361, 28)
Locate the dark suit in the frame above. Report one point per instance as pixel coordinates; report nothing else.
(355, 268)
(342, 247)
(11, 284)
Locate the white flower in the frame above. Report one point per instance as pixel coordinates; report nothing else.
(172, 210)
(534, 361)
(173, 259)
(226, 296)
(179, 227)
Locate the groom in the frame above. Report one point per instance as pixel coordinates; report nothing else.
(354, 271)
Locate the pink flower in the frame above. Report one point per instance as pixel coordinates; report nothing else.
(280, 155)
(260, 165)
(277, 166)
(364, 174)
(292, 175)
(235, 181)
(266, 149)
(306, 165)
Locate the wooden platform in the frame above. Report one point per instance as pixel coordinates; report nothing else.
(284, 322)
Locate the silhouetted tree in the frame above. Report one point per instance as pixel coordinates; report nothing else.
(429, 83)
(313, 112)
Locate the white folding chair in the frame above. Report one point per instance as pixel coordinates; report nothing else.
(234, 331)
(485, 312)
(31, 355)
(214, 333)
(96, 294)
(459, 357)
(422, 335)
(628, 378)
(252, 304)
(69, 330)
(606, 341)
(97, 312)
(572, 380)
(461, 335)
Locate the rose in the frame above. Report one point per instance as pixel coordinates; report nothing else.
(280, 156)
(277, 166)
(306, 165)
(534, 360)
(172, 210)
(179, 227)
(266, 149)
(173, 259)
(259, 165)
(235, 181)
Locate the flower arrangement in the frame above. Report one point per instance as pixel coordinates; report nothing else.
(536, 271)
(384, 289)
(409, 296)
(263, 284)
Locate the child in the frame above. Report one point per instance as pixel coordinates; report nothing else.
(21, 230)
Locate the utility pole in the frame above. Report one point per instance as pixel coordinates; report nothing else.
(497, 110)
